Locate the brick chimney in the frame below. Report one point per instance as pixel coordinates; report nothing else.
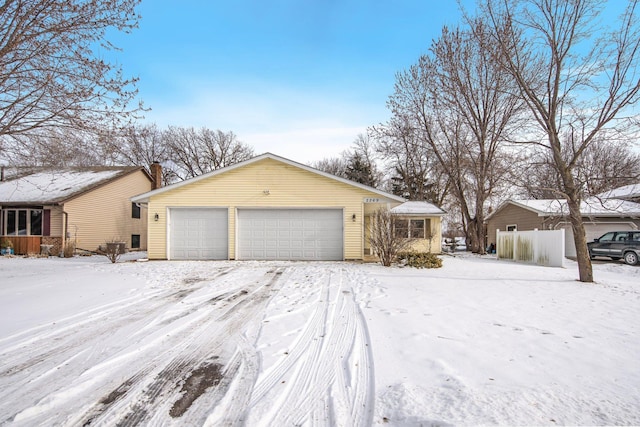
(156, 174)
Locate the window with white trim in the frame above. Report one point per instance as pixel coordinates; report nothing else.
(22, 222)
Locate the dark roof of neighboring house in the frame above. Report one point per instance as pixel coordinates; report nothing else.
(54, 186)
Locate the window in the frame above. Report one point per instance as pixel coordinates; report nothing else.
(608, 237)
(135, 210)
(401, 228)
(411, 228)
(416, 228)
(135, 241)
(22, 222)
(512, 227)
(36, 223)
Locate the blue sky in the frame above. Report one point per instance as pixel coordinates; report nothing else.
(300, 79)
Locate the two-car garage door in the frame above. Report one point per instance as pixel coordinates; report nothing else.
(262, 234)
(290, 234)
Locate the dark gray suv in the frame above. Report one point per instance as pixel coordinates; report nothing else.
(616, 245)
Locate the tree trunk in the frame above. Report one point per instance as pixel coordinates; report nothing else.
(585, 269)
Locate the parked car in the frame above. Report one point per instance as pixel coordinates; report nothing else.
(617, 245)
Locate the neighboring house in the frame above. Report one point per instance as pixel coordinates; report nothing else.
(86, 206)
(599, 216)
(272, 208)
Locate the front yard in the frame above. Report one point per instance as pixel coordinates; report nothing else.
(479, 341)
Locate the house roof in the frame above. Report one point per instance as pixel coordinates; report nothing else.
(417, 208)
(54, 186)
(625, 192)
(589, 207)
(144, 198)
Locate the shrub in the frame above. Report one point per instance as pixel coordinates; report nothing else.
(113, 249)
(385, 242)
(420, 259)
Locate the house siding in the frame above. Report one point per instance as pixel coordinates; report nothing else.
(512, 214)
(104, 214)
(245, 187)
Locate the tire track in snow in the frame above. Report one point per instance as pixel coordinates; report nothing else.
(117, 355)
(329, 369)
(208, 350)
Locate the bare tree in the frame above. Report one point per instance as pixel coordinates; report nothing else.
(357, 164)
(603, 166)
(460, 105)
(141, 145)
(385, 242)
(333, 165)
(576, 79)
(413, 172)
(195, 152)
(62, 147)
(50, 73)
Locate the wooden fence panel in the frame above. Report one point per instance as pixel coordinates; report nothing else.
(24, 245)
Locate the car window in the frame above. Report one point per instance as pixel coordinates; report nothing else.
(621, 237)
(606, 237)
(635, 236)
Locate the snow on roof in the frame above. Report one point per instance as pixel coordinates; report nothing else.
(589, 207)
(627, 191)
(417, 208)
(53, 186)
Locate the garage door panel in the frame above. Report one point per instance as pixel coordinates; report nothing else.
(295, 234)
(196, 233)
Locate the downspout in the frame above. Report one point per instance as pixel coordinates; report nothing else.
(64, 232)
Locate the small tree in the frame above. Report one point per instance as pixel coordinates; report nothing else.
(385, 242)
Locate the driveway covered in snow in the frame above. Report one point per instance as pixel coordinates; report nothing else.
(217, 342)
(85, 342)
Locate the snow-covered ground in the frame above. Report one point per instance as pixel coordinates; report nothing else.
(479, 341)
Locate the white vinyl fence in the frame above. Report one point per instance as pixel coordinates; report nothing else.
(542, 247)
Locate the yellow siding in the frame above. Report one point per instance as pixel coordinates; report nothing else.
(432, 245)
(57, 221)
(288, 186)
(104, 214)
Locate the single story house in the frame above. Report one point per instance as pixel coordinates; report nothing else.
(599, 216)
(272, 208)
(85, 206)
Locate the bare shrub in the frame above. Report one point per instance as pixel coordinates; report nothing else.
(385, 241)
(113, 249)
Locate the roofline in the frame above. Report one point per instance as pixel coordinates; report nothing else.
(540, 213)
(514, 202)
(108, 181)
(125, 171)
(144, 198)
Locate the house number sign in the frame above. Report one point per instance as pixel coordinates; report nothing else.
(372, 200)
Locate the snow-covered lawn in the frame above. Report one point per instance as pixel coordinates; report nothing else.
(479, 341)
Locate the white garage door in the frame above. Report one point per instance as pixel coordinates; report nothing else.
(198, 233)
(290, 234)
